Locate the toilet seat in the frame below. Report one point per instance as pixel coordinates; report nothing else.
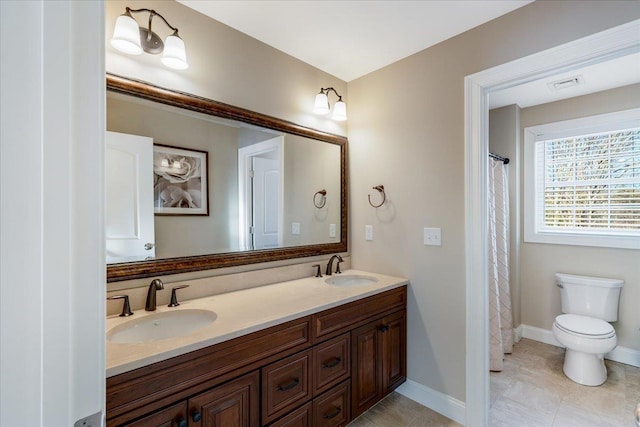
(583, 326)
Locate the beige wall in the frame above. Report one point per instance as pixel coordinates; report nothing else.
(504, 138)
(406, 131)
(539, 262)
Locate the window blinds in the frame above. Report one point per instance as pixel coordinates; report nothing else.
(589, 183)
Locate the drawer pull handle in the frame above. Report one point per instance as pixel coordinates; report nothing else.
(288, 386)
(332, 414)
(331, 363)
(196, 416)
(182, 422)
(383, 328)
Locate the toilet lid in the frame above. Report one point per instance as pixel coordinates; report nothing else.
(584, 325)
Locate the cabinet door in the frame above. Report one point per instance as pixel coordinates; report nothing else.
(173, 416)
(366, 376)
(233, 404)
(379, 360)
(393, 343)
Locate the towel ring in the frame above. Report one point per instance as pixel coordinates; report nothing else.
(323, 199)
(380, 188)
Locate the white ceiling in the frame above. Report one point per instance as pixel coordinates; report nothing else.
(606, 75)
(349, 39)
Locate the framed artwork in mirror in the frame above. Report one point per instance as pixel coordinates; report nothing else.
(179, 181)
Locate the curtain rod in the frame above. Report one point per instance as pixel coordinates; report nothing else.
(504, 160)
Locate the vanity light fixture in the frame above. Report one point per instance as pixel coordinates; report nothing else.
(321, 105)
(129, 38)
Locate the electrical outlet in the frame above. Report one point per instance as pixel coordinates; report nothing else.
(332, 230)
(295, 228)
(433, 236)
(368, 232)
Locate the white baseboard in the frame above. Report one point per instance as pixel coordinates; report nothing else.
(625, 355)
(540, 335)
(442, 403)
(517, 334)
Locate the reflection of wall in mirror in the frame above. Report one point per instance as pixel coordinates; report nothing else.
(310, 166)
(183, 235)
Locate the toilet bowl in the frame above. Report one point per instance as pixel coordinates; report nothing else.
(587, 340)
(589, 304)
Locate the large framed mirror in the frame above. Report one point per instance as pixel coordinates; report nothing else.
(194, 184)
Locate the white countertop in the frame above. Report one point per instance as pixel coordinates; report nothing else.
(241, 313)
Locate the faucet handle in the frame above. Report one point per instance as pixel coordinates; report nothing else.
(159, 285)
(126, 308)
(317, 266)
(174, 299)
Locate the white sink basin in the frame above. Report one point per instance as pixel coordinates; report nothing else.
(160, 326)
(350, 280)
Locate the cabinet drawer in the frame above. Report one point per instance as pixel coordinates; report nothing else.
(285, 385)
(331, 363)
(173, 416)
(333, 408)
(337, 320)
(301, 417)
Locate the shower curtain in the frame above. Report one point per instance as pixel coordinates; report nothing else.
(500, 319)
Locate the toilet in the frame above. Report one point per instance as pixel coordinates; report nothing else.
(588, 304)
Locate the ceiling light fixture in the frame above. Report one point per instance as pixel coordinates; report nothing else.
(129, 38)
(321, 105)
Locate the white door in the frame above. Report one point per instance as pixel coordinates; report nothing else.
(260, 197)
(266, 202)
(130, 234)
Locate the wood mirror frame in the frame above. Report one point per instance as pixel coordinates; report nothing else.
(142, 269)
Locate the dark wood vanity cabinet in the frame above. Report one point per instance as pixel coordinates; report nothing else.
(321, 370)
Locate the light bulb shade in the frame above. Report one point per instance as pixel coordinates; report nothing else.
(339, 111)
(174, 55)
(126, 35)
(321, 106)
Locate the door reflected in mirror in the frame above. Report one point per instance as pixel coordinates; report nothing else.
(261, 185)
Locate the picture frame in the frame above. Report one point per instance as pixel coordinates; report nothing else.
(180, 181)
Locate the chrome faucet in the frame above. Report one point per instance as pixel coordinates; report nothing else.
(156, 285)
(330, 265)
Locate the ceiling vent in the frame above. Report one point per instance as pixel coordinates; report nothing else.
(565, 83)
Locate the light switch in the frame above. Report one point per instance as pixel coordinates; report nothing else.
(433, 236)
(332, 230)
(368, 232)
(295, 228)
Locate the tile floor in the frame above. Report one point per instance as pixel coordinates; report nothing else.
(530, 391)
(398, 411)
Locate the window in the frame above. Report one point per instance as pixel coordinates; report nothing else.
(582, 181)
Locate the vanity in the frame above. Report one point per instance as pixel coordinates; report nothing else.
(314, 351)
(298, 353)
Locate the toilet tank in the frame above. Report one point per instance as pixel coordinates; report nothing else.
(589, 296)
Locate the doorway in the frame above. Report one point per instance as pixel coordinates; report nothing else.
(260, 179)
(616, 42)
